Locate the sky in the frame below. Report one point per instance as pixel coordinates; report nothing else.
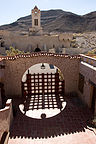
(11, 10)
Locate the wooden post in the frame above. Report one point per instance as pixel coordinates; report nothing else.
(63, 88)
(29, 84)
(43, 97)
(56, 83)
(22, 87)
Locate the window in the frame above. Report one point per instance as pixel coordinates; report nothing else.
(36, 22)
(51, 66)
(81, 83)
(2, 44)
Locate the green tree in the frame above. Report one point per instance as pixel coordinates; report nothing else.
(12, 51)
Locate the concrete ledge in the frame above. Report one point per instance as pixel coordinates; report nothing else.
(5, 138)
(92, 129)
(88, 59)
(9, 101)
(6, 117)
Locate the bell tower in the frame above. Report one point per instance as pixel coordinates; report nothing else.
(36, 14)
(36, 24)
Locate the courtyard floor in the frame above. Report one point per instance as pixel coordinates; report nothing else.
(67, 127)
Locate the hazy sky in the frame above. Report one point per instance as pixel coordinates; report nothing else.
(11, 10)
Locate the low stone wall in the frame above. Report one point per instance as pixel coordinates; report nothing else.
(6, 117)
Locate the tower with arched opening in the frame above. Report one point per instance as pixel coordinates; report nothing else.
(36, 24)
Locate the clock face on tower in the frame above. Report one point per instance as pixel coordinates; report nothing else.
(35, 12)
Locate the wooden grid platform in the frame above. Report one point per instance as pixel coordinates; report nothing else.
(42, 91)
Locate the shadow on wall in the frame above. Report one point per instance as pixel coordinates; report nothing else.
(72, 119)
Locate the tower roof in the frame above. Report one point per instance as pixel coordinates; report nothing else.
(35, 7)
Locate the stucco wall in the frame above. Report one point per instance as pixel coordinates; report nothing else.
(14, 70)
(0, 99)
(1, 80)
(25, 42)
(6, 117)
(89, 73)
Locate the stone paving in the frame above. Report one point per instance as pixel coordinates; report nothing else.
(69, 126)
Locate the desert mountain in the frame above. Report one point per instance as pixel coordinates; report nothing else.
(57, 21)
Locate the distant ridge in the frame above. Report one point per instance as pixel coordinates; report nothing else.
(57, 21)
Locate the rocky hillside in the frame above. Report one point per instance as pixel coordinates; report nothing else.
(57, 21)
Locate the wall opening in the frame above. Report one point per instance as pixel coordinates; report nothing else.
(37, 49)
(42, 91)
(36, 22)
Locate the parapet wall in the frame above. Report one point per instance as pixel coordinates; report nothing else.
(16, 66)
(88, 70)
(6, 117)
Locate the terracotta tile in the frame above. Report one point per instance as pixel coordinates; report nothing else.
(67, 127)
